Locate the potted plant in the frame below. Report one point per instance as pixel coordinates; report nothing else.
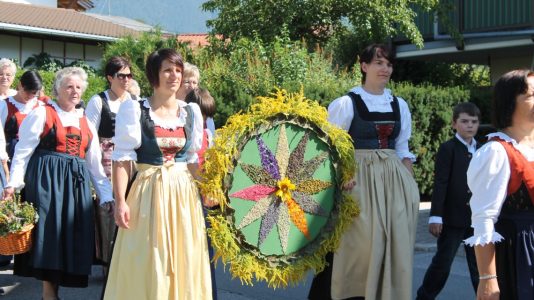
(16, 223)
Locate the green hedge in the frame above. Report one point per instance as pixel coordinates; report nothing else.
(96, 83)
(431, 109)
(249, 68)
(236, 74)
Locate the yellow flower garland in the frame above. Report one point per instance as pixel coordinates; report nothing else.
(219, 161)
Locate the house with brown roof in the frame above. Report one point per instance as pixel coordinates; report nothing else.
(194, 40)
(67, 34)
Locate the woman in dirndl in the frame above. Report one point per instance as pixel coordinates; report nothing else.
(55, 158)
(374, 259)
(161, 250)
(501, 178)
(101, 111)
(13, 110)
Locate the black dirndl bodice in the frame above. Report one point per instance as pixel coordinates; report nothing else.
(515, 254)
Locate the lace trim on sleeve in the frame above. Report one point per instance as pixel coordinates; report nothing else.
(486, 238)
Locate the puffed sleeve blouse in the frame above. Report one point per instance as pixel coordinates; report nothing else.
(93, 110)
(25, 108)
(128, 129)
(487, 177)
(30, 132)
(341, 112)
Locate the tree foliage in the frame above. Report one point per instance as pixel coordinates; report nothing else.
(316, 21)
(137, 49)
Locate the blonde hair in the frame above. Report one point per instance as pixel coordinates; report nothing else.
(191, 70)
(67, 72)
(6, 62)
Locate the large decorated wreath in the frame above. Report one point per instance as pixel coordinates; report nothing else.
(277, 172)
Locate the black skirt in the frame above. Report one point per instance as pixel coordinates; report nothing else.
(58, 185)
(515, 255)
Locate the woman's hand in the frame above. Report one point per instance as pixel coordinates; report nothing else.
(408, 164)
(347, 186)
(488, 289)
(122, 214)
(8, 193)
(209, 202)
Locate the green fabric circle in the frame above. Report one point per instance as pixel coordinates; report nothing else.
(265, 221)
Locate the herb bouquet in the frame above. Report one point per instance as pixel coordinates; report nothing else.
(16, 223)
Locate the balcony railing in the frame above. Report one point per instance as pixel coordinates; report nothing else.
(473, 16)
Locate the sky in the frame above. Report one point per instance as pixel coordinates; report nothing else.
(177, 16)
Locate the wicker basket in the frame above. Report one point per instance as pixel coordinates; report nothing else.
(18, 242)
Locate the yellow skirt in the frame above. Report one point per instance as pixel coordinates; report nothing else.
(375, 255)
(164, 253)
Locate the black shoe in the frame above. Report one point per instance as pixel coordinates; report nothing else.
(4, 263)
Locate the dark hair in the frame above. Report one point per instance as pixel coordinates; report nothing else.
(378, 51)
(465, 107)
(204, 100)
(115, 64)
(505, 92)
(154, 61)
(31, 81)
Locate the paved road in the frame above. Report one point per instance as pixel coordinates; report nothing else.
(458, 286)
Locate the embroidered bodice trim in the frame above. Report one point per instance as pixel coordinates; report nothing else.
(167, 124)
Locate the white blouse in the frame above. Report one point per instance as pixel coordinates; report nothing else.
(128, 129)
(10, 92)
(211, 125)
(3, 145)
(93, 111)
(341, 113)
(30, 132)
(23, 108)
(488, 176)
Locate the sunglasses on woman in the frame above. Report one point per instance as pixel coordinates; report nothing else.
(123, 76)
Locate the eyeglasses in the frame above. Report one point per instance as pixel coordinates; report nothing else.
(123, 76)
(191, 82)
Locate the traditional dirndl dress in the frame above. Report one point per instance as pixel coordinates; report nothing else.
(164, 253)
(58, 185)
(515, 255)
(14, 118)
(104, 220)
(374, 258)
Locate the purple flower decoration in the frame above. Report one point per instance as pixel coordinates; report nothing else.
(280, 206)
(268, 160)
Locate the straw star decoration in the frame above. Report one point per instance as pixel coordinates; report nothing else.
(283, 189)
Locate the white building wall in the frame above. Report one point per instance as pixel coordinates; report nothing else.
(54, 48)
(20, 49)
(93, 55)
(73, 52)
(29, 48)
(9, 47)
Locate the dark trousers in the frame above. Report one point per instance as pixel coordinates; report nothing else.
(436, 276)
